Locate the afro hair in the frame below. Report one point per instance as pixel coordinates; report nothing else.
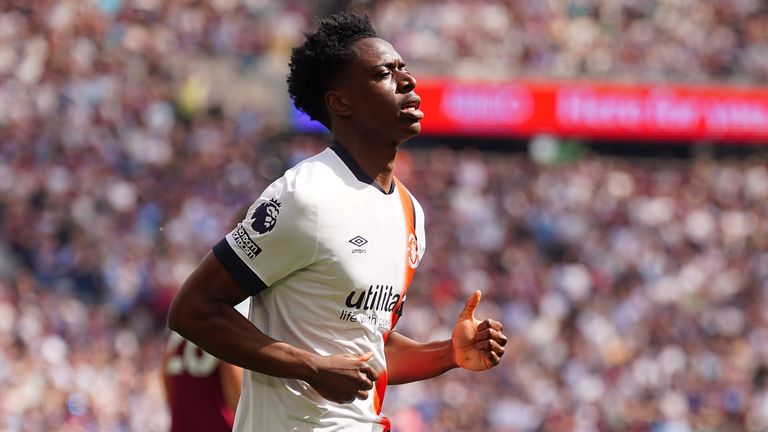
(315, 64)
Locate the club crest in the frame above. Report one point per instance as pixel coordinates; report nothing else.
(413, 251)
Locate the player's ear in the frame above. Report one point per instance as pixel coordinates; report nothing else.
(337, 104)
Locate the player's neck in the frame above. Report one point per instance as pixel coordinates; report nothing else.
(377, 160)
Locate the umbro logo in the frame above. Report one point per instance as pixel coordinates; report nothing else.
(359, 242)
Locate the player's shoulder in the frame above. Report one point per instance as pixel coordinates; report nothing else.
(311, 178)
(317, 167)
(300, 193)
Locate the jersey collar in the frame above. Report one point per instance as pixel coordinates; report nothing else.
(355, 168)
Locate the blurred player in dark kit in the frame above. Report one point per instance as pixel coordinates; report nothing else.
(201, 391)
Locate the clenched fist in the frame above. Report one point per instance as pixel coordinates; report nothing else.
(343, 377)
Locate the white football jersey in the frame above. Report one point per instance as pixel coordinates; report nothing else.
(327, 255)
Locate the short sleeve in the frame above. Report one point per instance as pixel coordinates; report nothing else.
(277, 237)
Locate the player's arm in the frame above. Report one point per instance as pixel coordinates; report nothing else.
(474, 345)
(164, 378)
(203, 312)
(408, 360)
(231, 383)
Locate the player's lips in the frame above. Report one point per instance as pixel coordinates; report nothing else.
(410, 108)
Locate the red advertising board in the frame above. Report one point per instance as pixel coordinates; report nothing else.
(594, 110)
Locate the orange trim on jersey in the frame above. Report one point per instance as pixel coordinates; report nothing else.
(411, 246)
(379, 390)
(411, 259)
(386, 423)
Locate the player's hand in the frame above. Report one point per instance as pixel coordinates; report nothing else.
(343, 377)
(477, 345)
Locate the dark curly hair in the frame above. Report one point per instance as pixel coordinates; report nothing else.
(315, 64)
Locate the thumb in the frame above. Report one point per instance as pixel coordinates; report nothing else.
(469, 309)
(365, 357)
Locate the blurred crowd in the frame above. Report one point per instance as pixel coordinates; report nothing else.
(680, 40)
(116, 177)
(632, 291)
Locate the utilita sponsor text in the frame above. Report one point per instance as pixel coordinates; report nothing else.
(364, 306)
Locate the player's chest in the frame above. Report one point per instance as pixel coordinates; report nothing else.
(367, 241)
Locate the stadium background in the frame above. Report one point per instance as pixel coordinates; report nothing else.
(630, 271)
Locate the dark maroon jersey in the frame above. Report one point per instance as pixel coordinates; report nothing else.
(194, 389)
